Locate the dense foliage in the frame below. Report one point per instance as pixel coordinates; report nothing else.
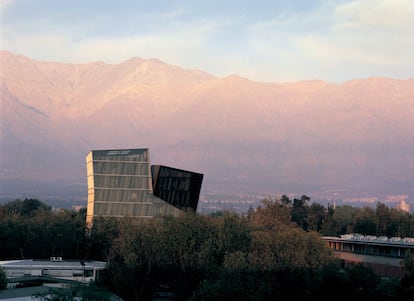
(3, 279)
(273, 252)
(74, 292)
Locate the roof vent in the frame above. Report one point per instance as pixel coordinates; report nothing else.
(54, 259)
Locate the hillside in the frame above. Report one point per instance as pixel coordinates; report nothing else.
(353, 139)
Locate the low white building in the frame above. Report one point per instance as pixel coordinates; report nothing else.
(54, 268)
(28, 277)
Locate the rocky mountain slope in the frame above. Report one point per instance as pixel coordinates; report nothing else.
(354, 138)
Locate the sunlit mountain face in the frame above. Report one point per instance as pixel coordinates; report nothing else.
(353, 139)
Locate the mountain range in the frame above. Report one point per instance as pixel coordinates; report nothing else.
(350, 139)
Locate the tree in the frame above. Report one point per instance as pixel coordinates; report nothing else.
(185, 239)
(408, 262)
(24, 208)
(64, 233)
(316, 217)
(75, 292)
(30, 206)
(340, 220)
(234, 233)
(100, 237)
(362, 281)
(299, 212)
(397, 220)
(383, 216)
(407, 225)
(13, 208)
(3, 279)
(133, 256)
(262, 252)
(16, 242)
(296, 248)
(366, 222)
(272, 214)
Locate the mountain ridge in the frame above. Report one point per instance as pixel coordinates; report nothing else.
(303, 137)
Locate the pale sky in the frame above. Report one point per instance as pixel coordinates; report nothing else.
(272, 40)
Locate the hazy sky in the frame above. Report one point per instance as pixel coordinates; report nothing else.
(268, 40)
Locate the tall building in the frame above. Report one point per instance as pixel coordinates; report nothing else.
(403, 206)
(180, 188)
(120, 184)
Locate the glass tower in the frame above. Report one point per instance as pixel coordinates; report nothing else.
(120, 185)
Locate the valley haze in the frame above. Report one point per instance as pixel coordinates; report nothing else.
(350, 140)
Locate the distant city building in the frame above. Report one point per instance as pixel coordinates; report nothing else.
(120, 184)
(77, 207)
(403, 206)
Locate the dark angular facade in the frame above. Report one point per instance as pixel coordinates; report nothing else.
(180, 188)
